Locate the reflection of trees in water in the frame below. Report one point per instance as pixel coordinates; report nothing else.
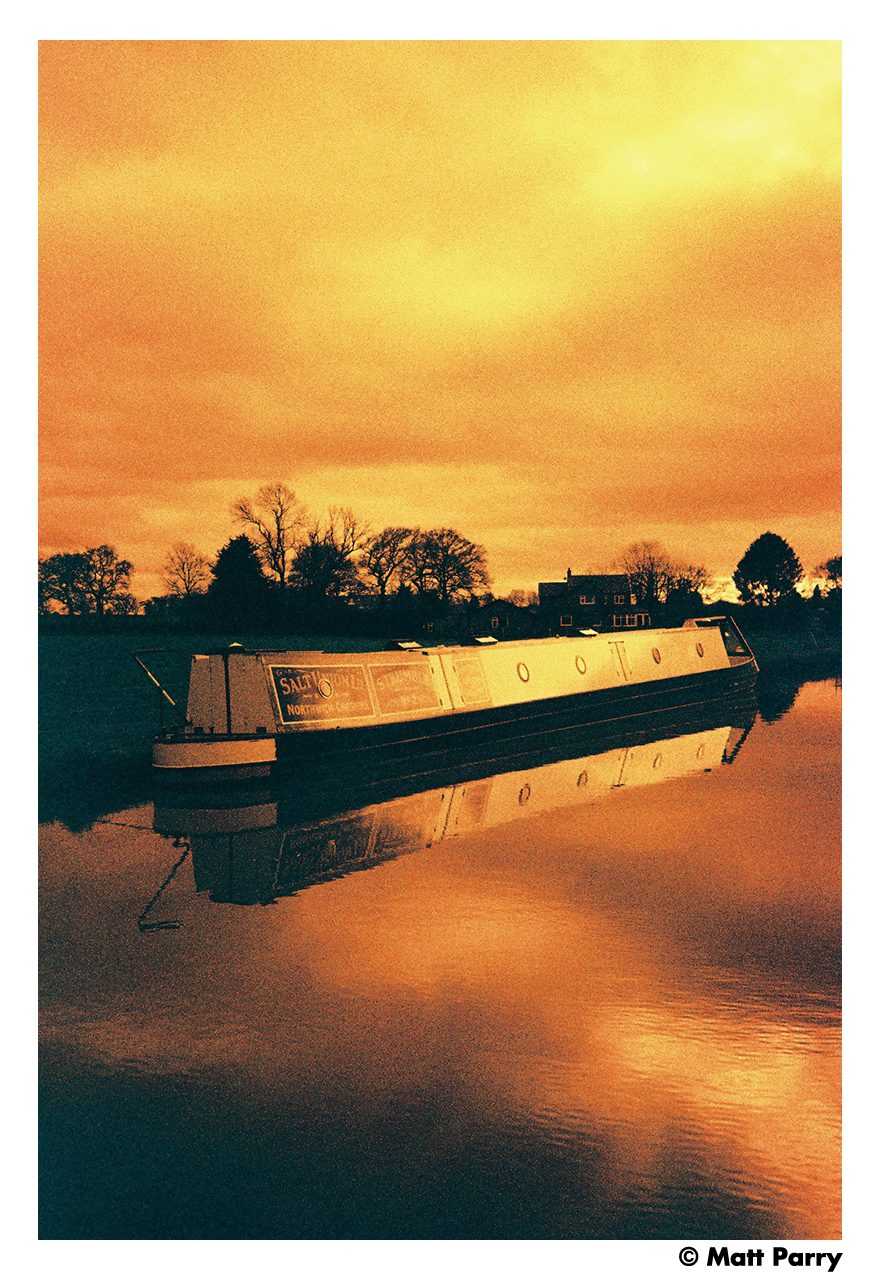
(775, 697)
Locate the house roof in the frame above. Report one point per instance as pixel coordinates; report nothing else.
(584, 582)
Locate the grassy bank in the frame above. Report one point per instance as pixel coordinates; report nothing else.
(781, 651)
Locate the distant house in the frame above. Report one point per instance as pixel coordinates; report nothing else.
(503, 621)
(602, 601)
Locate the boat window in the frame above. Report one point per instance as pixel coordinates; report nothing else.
(655, 654)
(700, 649)
(581, 665)
(733, 641)
(523, 672)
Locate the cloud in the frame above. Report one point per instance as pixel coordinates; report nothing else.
(547, 283)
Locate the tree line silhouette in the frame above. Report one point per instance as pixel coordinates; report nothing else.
(286, 568)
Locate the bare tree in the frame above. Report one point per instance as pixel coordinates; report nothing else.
(442, 562)
(123, 603)
(106, 578)
(278, 521)
(345, 531)
(689, 577)
(384, 556)
(61, 582)
(417, 568)
(459, 565)
(521, 598)
(326, 564)
(654, 575)
(186, 572)
(92, 581)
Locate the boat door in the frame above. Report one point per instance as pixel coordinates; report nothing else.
(618, 649)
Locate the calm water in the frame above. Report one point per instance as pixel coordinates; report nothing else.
(595, 998)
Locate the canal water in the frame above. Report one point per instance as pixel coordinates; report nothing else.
(589, 996)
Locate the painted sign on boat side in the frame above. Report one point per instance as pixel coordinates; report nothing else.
(321, 693)
(344, 692)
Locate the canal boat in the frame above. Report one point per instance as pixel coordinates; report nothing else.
(251, 712)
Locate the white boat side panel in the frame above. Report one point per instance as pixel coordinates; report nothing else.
(206, 704)
(441, 682)
(248, 695)
(520, 673)
(400, 685)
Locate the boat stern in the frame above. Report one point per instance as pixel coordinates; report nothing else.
(235, 756)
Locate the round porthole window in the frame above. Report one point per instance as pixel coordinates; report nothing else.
(524, 793)
(581, 665)
(655, 654)
(583, 779)
(325, 688)
(700, 649)
(701, 750)
(658, 760)
(523, 672)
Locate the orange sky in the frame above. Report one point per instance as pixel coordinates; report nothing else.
(559, 295)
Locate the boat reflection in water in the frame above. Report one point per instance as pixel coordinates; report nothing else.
(253, 846)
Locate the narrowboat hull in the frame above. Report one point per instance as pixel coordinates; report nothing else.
(374, 724)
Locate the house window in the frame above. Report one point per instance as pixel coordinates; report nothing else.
(495, 624)
(632, 620)
(615, 621)
(587, 599)
(565, 620)
(633, 600)
(429, 626)
(618, 600)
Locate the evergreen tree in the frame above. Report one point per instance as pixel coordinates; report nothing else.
(239, 593)
(769, 571)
